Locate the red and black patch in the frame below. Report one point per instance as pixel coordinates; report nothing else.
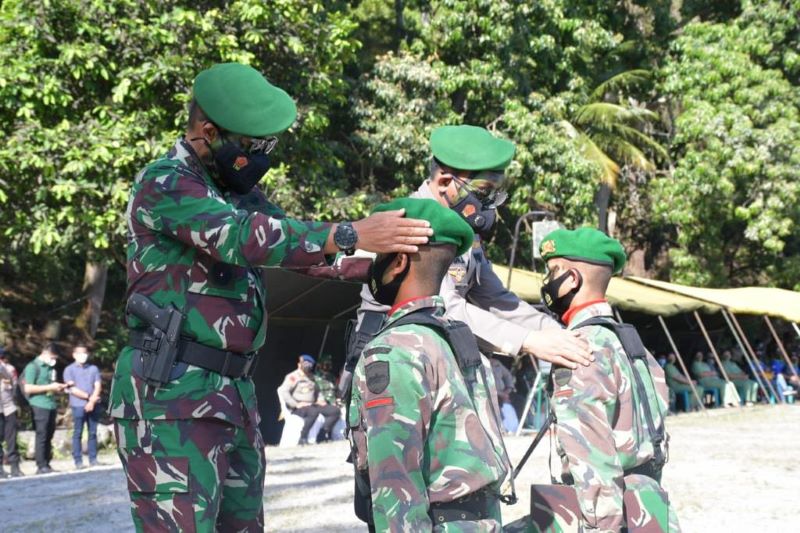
(377, 374)
(240, 162)
(379, 402)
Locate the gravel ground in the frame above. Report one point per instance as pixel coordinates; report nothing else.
(732, 470)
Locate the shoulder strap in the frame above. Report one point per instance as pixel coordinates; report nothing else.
(634, 349)
(457, 334)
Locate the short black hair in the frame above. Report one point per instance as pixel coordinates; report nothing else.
(434, 262)
(51, 347)
(196, 114)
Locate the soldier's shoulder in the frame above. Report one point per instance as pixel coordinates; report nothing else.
(411, 340)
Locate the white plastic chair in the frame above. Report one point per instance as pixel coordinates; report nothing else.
(293, 426)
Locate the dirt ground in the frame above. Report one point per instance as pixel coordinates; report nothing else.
(733, 470)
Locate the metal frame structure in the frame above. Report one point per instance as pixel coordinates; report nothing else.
(717, 359)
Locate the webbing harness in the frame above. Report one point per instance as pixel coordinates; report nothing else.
(634, 348)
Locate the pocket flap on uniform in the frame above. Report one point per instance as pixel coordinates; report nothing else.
(158, 474)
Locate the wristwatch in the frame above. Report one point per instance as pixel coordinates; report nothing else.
(346, 237)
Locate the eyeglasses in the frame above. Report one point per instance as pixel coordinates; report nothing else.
(487, 186)
(255, 145)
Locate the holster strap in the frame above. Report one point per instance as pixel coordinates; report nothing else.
(230, 364)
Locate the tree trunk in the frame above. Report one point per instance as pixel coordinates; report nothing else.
(94, 288)
(635, 265)
(601, 200)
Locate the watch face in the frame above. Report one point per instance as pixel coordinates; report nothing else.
(345, 236)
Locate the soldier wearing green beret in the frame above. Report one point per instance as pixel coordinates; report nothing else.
(467, 175)
(199, 231)
(426, 441)
(609, 416)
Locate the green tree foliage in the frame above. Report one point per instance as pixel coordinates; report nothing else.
(733, 196)
(92, 90)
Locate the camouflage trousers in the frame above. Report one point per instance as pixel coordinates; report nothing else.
(199, 474)
(555, 509)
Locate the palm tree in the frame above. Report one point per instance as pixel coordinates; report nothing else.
(611, 132)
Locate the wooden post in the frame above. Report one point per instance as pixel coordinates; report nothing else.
(780, 345)
(682, 364)
(716, 357)
(748, 349)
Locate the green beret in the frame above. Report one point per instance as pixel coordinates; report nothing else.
(470, 148)
(448, 226)
(589, 245)
(239, 99)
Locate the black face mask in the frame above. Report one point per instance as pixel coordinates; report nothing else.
(480, 217)
(385, 293)
(237, 169)
(559, 305)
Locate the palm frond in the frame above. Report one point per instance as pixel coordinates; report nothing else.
(591, 151)
(641, 140)
(621, 82)
(605, 115)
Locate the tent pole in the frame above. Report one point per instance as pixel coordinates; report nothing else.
(755, 358)
(750, 355)
(716, 357)
(324, 338)
(781, 346)
(682, 364)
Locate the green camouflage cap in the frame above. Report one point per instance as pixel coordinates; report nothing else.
(239, 99)
(589, 245)
(448, 226)
(470, 148)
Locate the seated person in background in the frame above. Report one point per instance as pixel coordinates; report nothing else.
(504, 381)
(747, 388)
(679, 383)
(301, 394)
(708, 377)
(793, 375)
(782, 388)
(326, 379)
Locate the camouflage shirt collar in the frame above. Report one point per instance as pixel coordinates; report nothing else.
(590, 311)
(435, 302)
(183, 152)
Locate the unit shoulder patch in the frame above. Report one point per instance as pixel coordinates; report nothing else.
(377, 376)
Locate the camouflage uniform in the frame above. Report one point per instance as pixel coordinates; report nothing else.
(327, 388)
(420, 433)
(600, 428)
(191, 449)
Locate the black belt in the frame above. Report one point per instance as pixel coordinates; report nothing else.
(478, 505)
(648, 469)
(230, 364)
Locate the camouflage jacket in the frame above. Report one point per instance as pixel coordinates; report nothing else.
(199, 248)
(327, 386)
(418, 430)
(601, 429)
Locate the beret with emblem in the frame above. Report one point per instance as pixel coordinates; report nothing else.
(239, 99)
(589, 245)
(448, 226)
(470, 148)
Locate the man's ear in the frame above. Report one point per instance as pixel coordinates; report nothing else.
(398, 264)
(575, 279)
(210, 131)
